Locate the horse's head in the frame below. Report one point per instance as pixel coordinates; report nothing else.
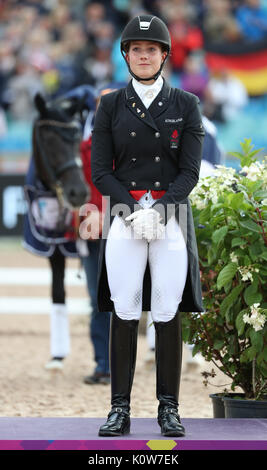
(56, 152)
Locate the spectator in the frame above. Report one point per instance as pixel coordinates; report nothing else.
(74, 38)
(153, 6)
(94, 15)
(100, 66)
(36, 44)
(104, 35)
(224, 97)
(54, 45)
(38, 5)
(59, 18)
(21, 90)
(99, 63)
(211, 153)
(185, 36)
(194, 77)
(200, 9)
(252, 19)
(79, 51)
(7, 69)
(219, 25)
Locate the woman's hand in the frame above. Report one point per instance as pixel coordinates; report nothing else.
(146, 224)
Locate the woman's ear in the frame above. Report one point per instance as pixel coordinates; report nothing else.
(164, 54)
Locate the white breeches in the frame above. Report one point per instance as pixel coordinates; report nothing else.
(126, 260)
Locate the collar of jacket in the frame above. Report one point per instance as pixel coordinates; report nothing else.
(157, 107)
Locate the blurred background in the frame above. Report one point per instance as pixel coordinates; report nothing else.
(219, 52)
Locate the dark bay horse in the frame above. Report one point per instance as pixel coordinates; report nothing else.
(55, 186)
(56, 140)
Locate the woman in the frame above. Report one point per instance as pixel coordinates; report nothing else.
(146, 153)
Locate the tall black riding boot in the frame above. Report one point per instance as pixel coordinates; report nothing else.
(123, 346)
(169, 363)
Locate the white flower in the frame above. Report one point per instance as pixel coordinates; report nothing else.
(259, 324)
(225, 172)
(254, 308)
(246, 318)
(233, 257)
(255, 171)
(197, 200)
(264, 202)
(257, 319)
(225, 180)
(245, 273)
(200, 203)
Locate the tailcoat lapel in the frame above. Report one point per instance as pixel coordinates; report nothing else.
(157, 107)
(137, 107)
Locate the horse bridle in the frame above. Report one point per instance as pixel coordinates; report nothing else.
(71, 164)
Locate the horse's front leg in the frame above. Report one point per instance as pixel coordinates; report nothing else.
(59, 321)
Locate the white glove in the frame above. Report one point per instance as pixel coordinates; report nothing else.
(146, 223)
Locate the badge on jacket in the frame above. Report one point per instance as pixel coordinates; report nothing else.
(174, 139)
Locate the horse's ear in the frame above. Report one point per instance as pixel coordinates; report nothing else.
(40, 103)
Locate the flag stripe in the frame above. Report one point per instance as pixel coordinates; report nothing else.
(251, 61)
(255, 81)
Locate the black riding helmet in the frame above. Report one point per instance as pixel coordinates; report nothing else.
(145, 28)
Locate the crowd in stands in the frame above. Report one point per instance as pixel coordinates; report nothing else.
(51, 46)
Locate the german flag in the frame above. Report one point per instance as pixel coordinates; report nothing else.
(246, 60)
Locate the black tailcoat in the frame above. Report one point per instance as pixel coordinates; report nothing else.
(158, 148)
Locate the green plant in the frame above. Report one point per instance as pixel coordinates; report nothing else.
(230, 213)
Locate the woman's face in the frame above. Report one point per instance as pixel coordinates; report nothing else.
(145, 58)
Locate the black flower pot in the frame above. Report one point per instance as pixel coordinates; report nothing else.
(218, 403)
(240, 408)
